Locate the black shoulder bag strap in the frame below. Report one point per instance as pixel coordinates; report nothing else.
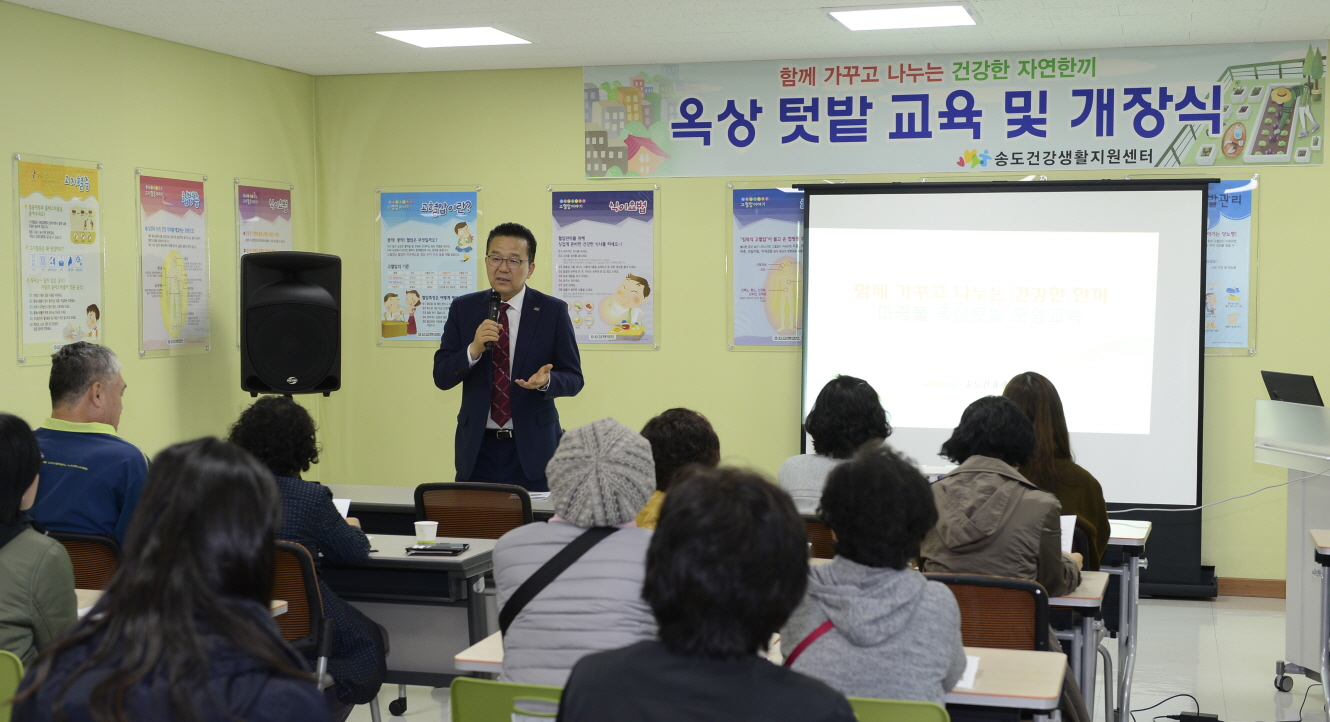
(548, 572)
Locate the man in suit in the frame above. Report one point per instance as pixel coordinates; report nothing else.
(508, 427)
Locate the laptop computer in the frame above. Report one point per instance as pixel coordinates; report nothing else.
(1293, 388)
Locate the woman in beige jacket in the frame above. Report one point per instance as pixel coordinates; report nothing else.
(992, 521)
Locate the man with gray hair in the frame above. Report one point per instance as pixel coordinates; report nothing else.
(91, 478)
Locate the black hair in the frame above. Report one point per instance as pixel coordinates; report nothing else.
(279, 433)
(20, 462)
(76, 367)
(200, 543)
(880, 507)
(727, 564)
(846, 415)
(680, 437)
(992, 426)
(514, 230)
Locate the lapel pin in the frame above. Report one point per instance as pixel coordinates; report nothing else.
(535, 308)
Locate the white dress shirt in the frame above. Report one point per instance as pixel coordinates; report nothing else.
(514, 319)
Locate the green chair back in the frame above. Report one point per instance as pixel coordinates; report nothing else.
(484, 700)
(11, 673)
(893, 710)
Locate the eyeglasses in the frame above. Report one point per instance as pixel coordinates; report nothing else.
(513, 263)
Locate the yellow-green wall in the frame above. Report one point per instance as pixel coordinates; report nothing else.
(131, 101)
(78, 90)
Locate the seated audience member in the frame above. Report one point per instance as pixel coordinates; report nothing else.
(280, 433)
(726, 566)
(993, 521)
(877, 627)
(37, 601)
(600, 475)
(1051, 467)
(91, 478)
(678, 437)
(183, 631)
(846, 415)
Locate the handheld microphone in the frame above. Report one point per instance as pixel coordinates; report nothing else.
(495, 300)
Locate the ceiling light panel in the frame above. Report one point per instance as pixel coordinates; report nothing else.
(900, 18)
(454, 37)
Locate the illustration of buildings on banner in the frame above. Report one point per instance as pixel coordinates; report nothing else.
(625, 129)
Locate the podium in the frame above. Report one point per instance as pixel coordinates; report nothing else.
(1297, 437)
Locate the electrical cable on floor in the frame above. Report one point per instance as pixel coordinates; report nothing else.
(1304, 699)
(1146, 709)
(1231, 498)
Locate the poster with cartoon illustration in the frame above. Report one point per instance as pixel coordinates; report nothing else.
(60, 255)
(1228, 264)
(428, 255)
(604, 264)
(767, 262)
(173, 265)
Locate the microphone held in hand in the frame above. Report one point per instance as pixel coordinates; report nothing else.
(495, 300)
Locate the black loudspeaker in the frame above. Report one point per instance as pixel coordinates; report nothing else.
(290, 326)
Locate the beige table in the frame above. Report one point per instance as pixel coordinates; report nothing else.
(1007, 678)
(1130, 537)
(1086, 599)
(87, 598)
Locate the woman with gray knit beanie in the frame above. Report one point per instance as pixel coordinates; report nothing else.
(600, 476)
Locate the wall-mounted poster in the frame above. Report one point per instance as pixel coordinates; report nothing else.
(604, 264)
(1228, 292)
(263, 218)
(768, 268)
(173, 263)
(58, 219)
(429, 249)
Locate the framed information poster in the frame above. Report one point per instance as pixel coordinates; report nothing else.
(173, 264)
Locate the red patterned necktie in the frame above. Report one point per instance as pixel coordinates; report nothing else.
(500, 409)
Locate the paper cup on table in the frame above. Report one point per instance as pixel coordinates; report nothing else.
(427, 532)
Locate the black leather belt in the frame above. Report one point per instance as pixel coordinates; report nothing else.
(499, 433)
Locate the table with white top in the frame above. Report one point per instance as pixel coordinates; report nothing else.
(1130, 537)
(1008, 679)
(88, 598)
(1085, 599)
(1321, 553)
(392, 509)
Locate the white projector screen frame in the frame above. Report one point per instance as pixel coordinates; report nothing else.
(1154, 456)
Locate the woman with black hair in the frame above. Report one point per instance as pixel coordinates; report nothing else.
(993, 521)
(727, 564)
(280, 433)
(871, 626)
(678, 437)
(37, 601)
(846, 415)
(183, 630)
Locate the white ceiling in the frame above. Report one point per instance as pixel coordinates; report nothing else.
(335, 37)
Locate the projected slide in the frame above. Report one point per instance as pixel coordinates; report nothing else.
(938, 318)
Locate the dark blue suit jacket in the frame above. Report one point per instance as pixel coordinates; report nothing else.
(544, 336)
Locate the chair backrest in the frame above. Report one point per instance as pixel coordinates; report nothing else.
(470, 510)
(96, 558)
(295, 581)
(483, 700)
(894, 710)
(999, 612)
(11, 672)
(819, 535)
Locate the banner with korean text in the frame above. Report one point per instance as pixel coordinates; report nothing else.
(605, 264)
(173, 264)
(428, 256)
(59, 265)
(1126, 108)
(1228, 244)
(765, 255)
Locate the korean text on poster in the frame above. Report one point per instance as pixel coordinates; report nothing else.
(768, 268)
(264, 215)
(1228, 264)
(174, 261)
(604, 264)
(60, 253)
(428, 255)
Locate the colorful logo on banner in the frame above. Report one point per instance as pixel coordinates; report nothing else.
(1126, 108)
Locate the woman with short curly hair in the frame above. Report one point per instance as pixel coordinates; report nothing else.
(846, 415)
(679, 438)
(280, 434)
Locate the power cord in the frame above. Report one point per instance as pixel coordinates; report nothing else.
(1304, 699)
(1146, 709)
(1231, 498)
